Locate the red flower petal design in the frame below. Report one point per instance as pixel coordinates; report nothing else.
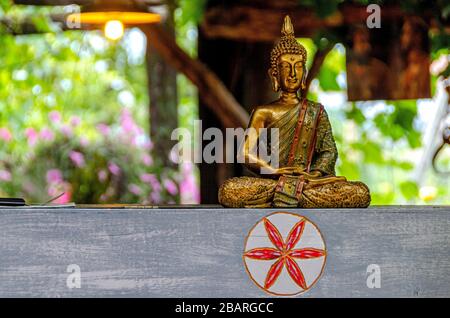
(284, 254)
(274, 234)
(305, 253)
(263, 253)
(274, 272)
(295, 272)
(295, 234)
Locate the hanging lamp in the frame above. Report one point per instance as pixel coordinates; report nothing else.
(114, 14)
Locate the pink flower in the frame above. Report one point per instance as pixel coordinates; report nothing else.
(147, 145)
(113, 168)
(103, 129)
(170, 186)
(84, 141)
(65, 198)
(102, 175)
(46, 134)
(5, 134)
(75, 121)
(77, 158)
(66, 130)
(187, 168)
(54, 176)
(155, 197)
(127, 122)
(152, 180)
(5, 175)
(135, 189)
(54, 116)
(57, 189)
(31, 135)
(147, 177)
(189, 190)
(147, 160)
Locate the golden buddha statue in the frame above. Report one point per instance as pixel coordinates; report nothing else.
(305, 175)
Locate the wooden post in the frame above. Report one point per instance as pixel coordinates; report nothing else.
(242, 67)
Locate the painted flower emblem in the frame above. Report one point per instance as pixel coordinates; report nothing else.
(284, 253)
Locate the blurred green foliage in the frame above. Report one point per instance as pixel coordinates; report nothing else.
(74, 119)
(190, 11)
(379, 142)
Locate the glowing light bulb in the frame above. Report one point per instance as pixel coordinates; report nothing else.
(114, 29)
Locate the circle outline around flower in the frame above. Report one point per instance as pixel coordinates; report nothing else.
(324, 249)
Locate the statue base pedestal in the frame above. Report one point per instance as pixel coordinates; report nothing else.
(197, 252)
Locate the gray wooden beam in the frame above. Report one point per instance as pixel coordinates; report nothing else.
(198, 252)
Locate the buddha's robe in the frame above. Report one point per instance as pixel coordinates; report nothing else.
(305, 141)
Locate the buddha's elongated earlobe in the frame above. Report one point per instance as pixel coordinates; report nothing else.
(274, 80)
(304, 76)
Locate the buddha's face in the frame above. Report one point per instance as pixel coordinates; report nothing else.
(290, 72)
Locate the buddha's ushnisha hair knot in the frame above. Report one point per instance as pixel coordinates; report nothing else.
(287, 45)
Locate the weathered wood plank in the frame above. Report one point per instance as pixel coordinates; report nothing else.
(198, 252)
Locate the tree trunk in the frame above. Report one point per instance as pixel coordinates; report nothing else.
(162, 87)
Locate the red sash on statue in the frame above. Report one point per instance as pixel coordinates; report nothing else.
(289, 188)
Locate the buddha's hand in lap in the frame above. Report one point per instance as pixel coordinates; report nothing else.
(297, 171)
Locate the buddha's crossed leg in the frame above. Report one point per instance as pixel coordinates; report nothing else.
(251, 192)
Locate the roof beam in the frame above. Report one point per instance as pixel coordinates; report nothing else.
(52, 2)
(257, 24)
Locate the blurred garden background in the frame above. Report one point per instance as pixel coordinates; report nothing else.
(75, 114)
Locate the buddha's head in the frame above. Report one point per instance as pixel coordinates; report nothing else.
(287, 62)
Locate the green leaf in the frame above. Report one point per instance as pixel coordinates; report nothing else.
(409, 190)
(349, 169)
(356, 114)
(5, 6)
(191, 10)
(371, 150)
(446, 11)
(41, 23)
(327, 80)
(333, 65)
